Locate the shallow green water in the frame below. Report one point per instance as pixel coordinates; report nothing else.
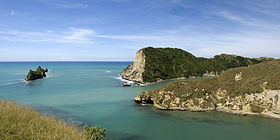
(91, 93)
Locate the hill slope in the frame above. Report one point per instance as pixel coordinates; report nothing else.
(156, 64)
(245, 90)
(18, 122)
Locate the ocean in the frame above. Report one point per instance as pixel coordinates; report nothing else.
(91, 93)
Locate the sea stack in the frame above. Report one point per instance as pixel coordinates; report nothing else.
(38, 74)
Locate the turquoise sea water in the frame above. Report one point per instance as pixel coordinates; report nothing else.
(91, 93)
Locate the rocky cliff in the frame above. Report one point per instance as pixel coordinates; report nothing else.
(158, 64)
(247, 90)
(38, 74)
(134, 71)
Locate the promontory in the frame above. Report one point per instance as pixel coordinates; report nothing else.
(245, 90)
(157, 64)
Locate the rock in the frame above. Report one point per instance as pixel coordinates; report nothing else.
(253, 90)
(144, 99)
(238, 76)
(38, 74)
(134, 71)
(211, 74)
(126, 84)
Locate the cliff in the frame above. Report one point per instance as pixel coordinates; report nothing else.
(38, 74)
(134, 71)
(246, 90)
(158, 64)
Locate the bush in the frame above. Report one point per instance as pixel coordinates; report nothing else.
(20, 122)
(95, 132)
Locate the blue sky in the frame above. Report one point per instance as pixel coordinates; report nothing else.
(115, 29)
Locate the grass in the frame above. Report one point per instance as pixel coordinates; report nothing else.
(20, 122)
(255, 79)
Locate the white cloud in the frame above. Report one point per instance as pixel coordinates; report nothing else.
(79, 34)
(72, 35)
(12, 13)
(247, 43)
(64, 4)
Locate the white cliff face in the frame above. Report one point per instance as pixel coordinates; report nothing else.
(134, 71)
(266, 103)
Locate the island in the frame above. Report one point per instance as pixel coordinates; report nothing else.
(153, 65)
(38, 74)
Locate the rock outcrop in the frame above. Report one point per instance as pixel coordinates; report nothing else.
(134, 71)
(126, 84)
(154, 65)
(253, 90)
(38, 74)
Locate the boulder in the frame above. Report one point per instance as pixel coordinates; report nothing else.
(126, 84)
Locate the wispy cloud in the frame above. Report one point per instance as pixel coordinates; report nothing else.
(248, 21)
(247, 43)
(10, 13)
(72, 35)
(64, 4)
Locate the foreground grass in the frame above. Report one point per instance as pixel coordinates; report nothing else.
(19, 122)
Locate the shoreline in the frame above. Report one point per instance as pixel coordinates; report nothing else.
(220, 111)
(161, 81)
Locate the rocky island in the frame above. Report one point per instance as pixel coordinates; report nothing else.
(38, 74)
(154, 65)
(245, 90)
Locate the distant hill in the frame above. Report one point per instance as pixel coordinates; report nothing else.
(245, 90)
(157, 64)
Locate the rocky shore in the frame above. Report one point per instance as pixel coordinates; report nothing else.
(253, 90)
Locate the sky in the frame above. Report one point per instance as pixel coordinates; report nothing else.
(114, 30)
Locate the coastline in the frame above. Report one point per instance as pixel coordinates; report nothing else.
(270, 116)
(161, 81)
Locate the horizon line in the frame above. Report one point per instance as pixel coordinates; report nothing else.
(66, 60)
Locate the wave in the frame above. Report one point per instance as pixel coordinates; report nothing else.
(123, 80)
(16, 82)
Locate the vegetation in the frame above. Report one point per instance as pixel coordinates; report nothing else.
(168, 63)
(95, 133)
(255, 79)
(38, 74)
(18, 122)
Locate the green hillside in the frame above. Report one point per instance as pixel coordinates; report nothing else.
(168, 63)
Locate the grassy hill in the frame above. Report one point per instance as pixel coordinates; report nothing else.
(244, 90)
(168, 63)
(22, 123)
(253, 78)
